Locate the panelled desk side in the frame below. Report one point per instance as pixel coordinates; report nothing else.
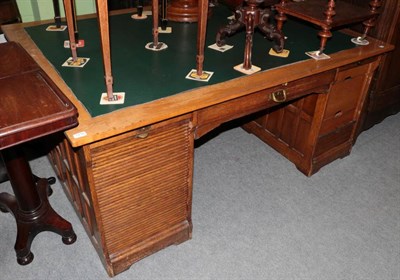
(130, 178)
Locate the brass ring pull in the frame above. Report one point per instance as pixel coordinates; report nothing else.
(279, 96)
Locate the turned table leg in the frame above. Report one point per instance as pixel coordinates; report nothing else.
(280, 17)
(30, 206)
(368, 24)
(325, 34)
(249, 41)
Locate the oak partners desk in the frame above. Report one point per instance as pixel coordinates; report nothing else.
(127, 169)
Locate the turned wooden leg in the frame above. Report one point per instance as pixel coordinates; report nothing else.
(102, 14)
(201, 35)
(30, 206)
(325, 34)
(368, 24)
(249, 41)
(280, 17)
(71, 18)
(154, 7)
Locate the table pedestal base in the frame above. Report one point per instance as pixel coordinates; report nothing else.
(29, 224)
(250, 16)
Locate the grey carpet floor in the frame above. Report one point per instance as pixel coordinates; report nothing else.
(255, 216)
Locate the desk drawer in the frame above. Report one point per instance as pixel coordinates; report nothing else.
(333, 139)
(344, 98)
(345, 74)
(211, 117)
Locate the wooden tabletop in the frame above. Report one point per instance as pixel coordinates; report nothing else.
(31, 104)
(313, 11)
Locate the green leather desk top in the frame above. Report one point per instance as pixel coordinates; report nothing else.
(146, 75)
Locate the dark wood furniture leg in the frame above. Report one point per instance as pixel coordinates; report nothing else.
(163, 14)
(326, 33)
(280, 17)
(332, 15)
(57, 17)
(30, 206)
(252, 15)
(4, 178)
(368, 24)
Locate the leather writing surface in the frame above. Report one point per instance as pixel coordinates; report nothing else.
(146, 76)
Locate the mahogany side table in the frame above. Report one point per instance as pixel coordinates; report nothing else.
(329, 14)
(31, 107)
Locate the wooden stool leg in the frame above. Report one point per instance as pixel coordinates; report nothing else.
(69, 15)
(102, 14)
(201, 35)
(155, 45)
(325, 34)
(154, 7)
(280, 17)
(374, 4)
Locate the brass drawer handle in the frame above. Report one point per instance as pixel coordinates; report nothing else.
(279, 96)
(144, 132)
(142, 135)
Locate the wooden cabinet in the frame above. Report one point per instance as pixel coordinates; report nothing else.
(133, 192)
(9, 12)
(319, 128)
(384, 95)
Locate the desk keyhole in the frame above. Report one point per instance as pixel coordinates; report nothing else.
(338, 114)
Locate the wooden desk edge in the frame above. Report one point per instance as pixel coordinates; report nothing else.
(105, 126)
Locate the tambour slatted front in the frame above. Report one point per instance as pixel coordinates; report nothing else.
(132, 192)
(142, 181)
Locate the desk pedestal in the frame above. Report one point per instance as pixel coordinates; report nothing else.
(315, 130)
(133, 192)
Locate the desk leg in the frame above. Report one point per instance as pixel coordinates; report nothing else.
(30, 206)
